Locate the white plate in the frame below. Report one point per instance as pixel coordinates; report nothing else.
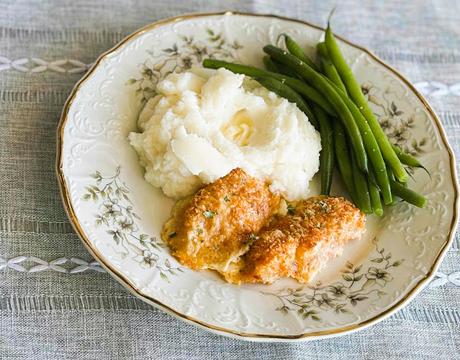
(119, 216)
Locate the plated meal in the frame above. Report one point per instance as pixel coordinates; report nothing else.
(257, 176)
(235, 150)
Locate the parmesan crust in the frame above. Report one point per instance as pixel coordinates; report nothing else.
(234, 226)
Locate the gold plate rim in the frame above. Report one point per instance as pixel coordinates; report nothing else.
(223, 331)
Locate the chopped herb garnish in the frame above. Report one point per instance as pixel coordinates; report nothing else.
(290, 209)
(173, 234)
(199, 231)
(324, 206)
(309, 212)
(226, 198)
(253, 237)
(209, 214)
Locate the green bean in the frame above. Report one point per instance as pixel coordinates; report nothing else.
(408, 159)
(326, 157)
(391, 176)
(328, 67)
(270, 64)
(298, 85)
(374, 193)
(310, 93)
(370, 143)
(286, 92)
(361, 188)
(354, 90)
(408, 195)
(342, 156)
(322, 85)
(295, 49)
(373, 151)
(284, 70)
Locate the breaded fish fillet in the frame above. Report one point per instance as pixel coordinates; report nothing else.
(213, 228)
(299, 243)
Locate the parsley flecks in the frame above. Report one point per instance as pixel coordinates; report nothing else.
(324, 206)
(253, 237)
(226, 198)
(309, 212)
(199, 231)
(209, 214)
(290, 209)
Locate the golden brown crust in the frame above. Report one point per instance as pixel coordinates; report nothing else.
(207, 231)
(270, 256)
(330, 222)
(230, 226)
(300, 243)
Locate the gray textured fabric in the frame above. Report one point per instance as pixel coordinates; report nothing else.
(68, 309)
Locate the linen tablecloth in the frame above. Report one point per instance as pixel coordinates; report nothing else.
(57, 303)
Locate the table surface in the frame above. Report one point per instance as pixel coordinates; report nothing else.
(57, 303)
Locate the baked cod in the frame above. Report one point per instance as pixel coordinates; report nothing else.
(234, 226)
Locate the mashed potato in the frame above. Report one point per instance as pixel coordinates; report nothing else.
(198, 129)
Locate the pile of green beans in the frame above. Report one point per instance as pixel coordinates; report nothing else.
(371, 168)
(354, 90)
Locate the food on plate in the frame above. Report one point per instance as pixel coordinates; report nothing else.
(212, 229)
(236, 226)
(300, 243)
(238, 148)
(198, 129)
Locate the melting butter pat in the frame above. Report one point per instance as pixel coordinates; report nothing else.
(239, 129)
